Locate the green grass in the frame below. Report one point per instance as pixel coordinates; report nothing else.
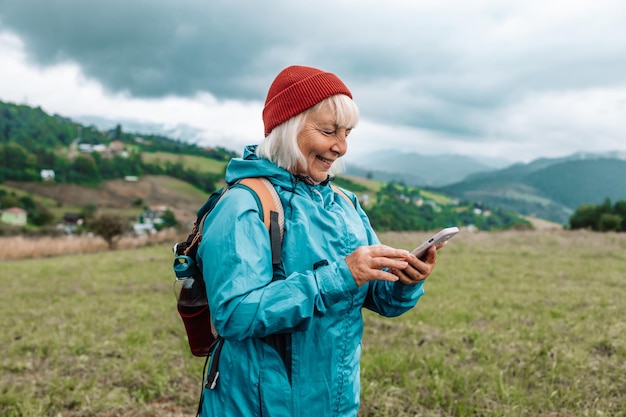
(515, 324)
(93, 334)
(183, 187)
(48, 202)
(195, 163)
(373, 185)
(436, 197)
(512, 324)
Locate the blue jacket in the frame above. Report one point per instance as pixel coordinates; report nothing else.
(292, 340)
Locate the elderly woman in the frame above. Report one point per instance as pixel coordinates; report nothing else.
(292, 335)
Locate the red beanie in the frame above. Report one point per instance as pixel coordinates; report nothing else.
(296, 89)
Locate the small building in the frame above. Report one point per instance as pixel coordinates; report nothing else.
(143, 228)
(150, 220)
(89, 148)
(71, 221)
(14, 215)
(47, 174)
(116, 146)
(151, 217)
(85, 147)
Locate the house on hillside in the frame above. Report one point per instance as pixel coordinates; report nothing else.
(14, 215)
(89, 148)
(70, 222)
(47, 174)
(116, 147)
(154, 216)
(150, 220)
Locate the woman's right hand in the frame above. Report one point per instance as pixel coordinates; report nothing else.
(366, 263)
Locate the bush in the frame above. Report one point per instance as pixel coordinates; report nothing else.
(109, 227)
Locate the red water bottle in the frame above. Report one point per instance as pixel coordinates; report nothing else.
(193, 306)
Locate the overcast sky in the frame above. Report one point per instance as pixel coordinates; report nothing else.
(516, 80)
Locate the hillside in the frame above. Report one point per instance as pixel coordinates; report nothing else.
(182, 198)
(548, 189)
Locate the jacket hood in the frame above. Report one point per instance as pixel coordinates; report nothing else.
(250, 165)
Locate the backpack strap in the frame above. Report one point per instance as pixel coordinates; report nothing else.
(272, 212)
(190, 246)
(342, 193)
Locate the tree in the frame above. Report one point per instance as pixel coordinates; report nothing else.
(83, 169)
(609, 222)
(169, 220)
(585, 217)
(620, 209)
(9, 200)
(109, 227)
(38, 214)
(117, 133)
(88, 212)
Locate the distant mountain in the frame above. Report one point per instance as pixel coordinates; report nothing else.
(180, 131)
(415, 169)
(551, 189)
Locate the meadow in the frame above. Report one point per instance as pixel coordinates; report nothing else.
(195, 163)
(515, 323)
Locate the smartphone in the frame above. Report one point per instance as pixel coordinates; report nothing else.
(438, 238)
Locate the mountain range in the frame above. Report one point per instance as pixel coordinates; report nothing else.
(548, 188)
(416, 169)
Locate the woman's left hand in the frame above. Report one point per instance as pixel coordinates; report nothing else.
(418, 269)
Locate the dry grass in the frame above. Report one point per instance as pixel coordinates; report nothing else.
(20, 247)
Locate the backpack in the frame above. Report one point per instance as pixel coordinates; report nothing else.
(190, 288)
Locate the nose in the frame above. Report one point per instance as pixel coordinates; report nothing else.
(340, 146)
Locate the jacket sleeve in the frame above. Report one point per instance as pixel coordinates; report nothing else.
(235, 257)
(386, 298)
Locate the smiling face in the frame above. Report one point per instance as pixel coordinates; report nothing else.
(322, 140)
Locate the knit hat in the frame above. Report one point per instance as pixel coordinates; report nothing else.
(295, 89)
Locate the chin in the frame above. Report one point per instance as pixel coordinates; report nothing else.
(319, 178)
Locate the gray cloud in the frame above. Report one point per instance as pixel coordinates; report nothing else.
(442, 69)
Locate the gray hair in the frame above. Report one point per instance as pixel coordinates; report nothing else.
(281, 145)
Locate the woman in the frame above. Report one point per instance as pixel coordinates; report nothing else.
(292, 336)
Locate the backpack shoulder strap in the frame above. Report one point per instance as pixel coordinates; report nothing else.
(272, 212)
(269, 199)
(190, 246)
(342, 193)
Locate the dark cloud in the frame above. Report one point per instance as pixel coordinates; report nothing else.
(148, 48)
(433, 68)
(230, 48)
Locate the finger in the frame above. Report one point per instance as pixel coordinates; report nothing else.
(388, 252)
(390, 263)
(410, 278)
(385, 276)
(421, 265)
(431, 255)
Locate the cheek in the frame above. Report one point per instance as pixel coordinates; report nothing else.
(306, 145)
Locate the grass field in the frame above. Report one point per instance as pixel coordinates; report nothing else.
(195, 163)
(512, 324)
